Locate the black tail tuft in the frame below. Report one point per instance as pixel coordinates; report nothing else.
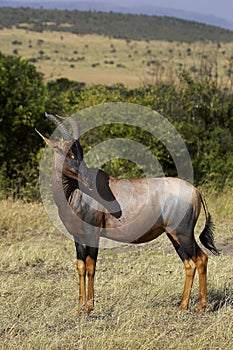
(207, 236)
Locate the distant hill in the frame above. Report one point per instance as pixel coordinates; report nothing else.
(113, 6)
(117, 25)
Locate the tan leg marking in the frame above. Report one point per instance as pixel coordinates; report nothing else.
(82, 285)
(90, 268)
(190, 269)
(201, 262)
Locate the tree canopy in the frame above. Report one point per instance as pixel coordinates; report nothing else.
(200, 111)
(22, 101)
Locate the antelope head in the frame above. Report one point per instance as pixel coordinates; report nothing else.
(69, 155)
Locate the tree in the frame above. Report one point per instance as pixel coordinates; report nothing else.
(22, 100)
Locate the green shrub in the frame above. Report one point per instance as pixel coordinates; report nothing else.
(200, 111)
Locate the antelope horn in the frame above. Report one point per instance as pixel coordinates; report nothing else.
(65, 134)
(40, 134)
(73, 124)
(75, 128)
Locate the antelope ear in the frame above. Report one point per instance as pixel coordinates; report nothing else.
(51, 143)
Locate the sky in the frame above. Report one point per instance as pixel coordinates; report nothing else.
(218, 8)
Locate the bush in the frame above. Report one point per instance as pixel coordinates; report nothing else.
(197, 108)
(201, 113)
(22, 96)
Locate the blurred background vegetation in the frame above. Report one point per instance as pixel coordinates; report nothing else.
(196, 104)
(117, 25)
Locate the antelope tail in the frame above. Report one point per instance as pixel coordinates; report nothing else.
(207, 235)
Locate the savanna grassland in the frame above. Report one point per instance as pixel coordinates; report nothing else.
(107, 48)
(138, 289)
(96, 59)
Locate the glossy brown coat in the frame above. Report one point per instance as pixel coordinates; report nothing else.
(92, 204)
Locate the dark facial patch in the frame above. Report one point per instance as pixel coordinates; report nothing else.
(102, 193)
(77, 150)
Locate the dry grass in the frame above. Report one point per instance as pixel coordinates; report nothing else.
(138, 289)
(98, 59)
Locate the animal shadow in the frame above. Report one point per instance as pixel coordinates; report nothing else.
(218, 299)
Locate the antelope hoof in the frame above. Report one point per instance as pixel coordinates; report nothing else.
(89, 308)
(88, 311)
(183, 307)
(84, 311)
(201, 309)
(81, 310)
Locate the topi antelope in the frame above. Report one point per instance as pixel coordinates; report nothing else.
(92, 204)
